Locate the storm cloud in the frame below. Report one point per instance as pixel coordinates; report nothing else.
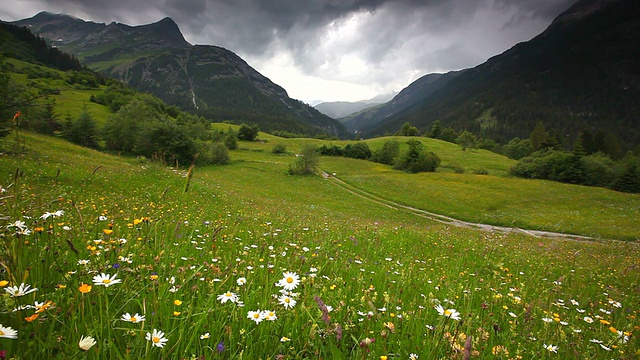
(332, 49)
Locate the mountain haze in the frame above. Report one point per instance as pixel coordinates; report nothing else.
(209, 80)
(340, 109)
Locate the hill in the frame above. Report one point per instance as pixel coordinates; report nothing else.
(579, 74)
(209, 80)
(367, 120)
(341, 109)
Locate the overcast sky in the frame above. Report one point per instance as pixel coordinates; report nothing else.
(332, 50)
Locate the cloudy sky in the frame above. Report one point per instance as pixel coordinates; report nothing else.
(332, 50)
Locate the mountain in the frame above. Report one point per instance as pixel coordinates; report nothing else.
(581, 73)
(340, 109)
(421, 89)
(208, 80)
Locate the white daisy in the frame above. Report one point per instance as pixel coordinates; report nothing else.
(157, 338)
(132, 319)
(289, 281)
(22, 290)
(450, 313)
(106, 280)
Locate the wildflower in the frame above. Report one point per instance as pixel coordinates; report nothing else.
(289, 281)
(132, 319)
(21, 225)
(177, 302)
(499, 349)
(287, 302)
(40, 307)
(551, 348)
(31, 318)
(84, 288)
(220, 347)
(228, 296)
(205, 336)
(604, 347)
(7, 332)
(86, 343)
(157, 338)
(413, 356)
(269, 315)
(241, 281)
(22, 290)
(83, 262)
(104, 279)
(255, 316)
(588, 319)
(450, 313)
(284, 339)
(3, 283)
(547, 320)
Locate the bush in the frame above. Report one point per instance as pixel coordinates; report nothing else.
(331, 150)
(458, 169)
(279, 149)
(306, 163)
(212, 153)
(598, 170)
(358, 150)
(248, 133)
(416, 159)
(387, 154)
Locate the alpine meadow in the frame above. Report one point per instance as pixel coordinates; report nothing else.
(160, 200)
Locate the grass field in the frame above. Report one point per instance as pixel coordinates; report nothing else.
(120, 252)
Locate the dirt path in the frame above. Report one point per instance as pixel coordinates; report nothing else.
(449, 220)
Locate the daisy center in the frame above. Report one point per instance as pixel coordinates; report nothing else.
(1, 333)
(155, 339)
(227, 294)
(287, 300)
(447, 312)
(256, 316)
(289, 279)
(106, 281)
(133, 319)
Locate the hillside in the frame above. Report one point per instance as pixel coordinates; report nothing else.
(578, 74)
(341, 109)
(367, 120)
(209, 80)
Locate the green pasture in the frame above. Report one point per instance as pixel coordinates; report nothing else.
(176, 241)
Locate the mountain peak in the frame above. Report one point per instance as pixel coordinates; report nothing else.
(580, 10)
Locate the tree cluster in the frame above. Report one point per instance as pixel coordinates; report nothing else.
(415, 159)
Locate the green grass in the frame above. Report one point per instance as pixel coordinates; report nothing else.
(69, 100)
(381, 270)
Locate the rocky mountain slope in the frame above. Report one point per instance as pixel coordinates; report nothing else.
(209, 80)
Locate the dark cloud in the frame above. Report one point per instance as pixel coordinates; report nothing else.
(383, 44)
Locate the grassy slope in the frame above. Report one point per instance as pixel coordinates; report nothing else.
(359, 246)
(70, 100)
(493, 199)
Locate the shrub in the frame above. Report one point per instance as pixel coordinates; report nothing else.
(387, 154)
(358, 150)
(279, 149)
(306, 162)
(248, 133)
(212, 153)
(416, 159)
